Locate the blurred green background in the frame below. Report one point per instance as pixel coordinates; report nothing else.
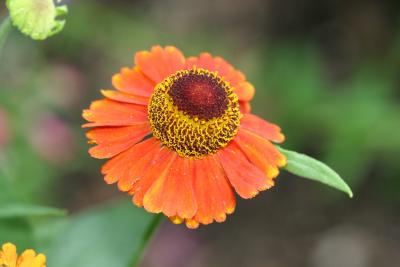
(326, 71)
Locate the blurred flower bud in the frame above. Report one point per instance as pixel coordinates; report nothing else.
(69, 82)
(52, 139)
(37, 18)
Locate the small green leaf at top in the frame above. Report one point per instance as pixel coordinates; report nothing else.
(310, 168)
(37, 18)
(15, 210)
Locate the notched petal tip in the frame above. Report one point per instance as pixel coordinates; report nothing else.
(272, 172)
(192, 224)
(40, 259)
(86, 113)
(280, 138)
(110, 180)
(172, 49)
(268, 184)
(246, 91)
(230, 210)
(263, 128)
(176, 219)
(282, 162)
(29, 253)
(220, 218)
(9, 248)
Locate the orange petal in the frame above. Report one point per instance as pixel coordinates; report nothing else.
(246, 178)
(262, 128)
(192, 224)
(204, 60)
(136, 170)
(243, 89)
(173, 193)
(129, 166)
(124, 97)
(159, 167)
(176, 219)
(113, 140)
(107, 112)
(245, 107)
(213, 192)
(133, 81)
(159, 63)
(261, 152)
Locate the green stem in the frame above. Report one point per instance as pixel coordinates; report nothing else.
(5, 28)
(147, 237)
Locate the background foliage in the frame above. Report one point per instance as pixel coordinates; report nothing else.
(326, 71)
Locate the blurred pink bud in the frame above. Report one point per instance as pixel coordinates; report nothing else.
(63, 85)
(52, 139)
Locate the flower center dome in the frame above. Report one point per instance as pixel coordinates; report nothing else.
(194, 112)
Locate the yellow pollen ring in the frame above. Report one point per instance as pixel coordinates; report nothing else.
(189, 135)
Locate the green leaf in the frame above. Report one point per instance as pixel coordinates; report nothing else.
(102, 237)
(17, 231)
(46, 229)
(13, 210)
(310, 168)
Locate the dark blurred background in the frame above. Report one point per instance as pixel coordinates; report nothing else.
(326, 71)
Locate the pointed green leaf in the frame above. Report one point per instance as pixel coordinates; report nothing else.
(17, 231)
(13, 210)
(310, 168)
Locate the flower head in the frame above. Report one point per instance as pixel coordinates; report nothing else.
(37, 18)
(181, 138)
(29, 258)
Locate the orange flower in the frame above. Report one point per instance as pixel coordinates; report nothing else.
(9, 257)
(181, 137)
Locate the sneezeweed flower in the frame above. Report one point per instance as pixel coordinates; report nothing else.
(37, 18)
(181, 138)
(29, 258)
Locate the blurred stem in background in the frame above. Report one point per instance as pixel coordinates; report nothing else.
(151, 230)
(5, 28)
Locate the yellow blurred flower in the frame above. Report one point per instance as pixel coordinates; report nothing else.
(29, 258)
